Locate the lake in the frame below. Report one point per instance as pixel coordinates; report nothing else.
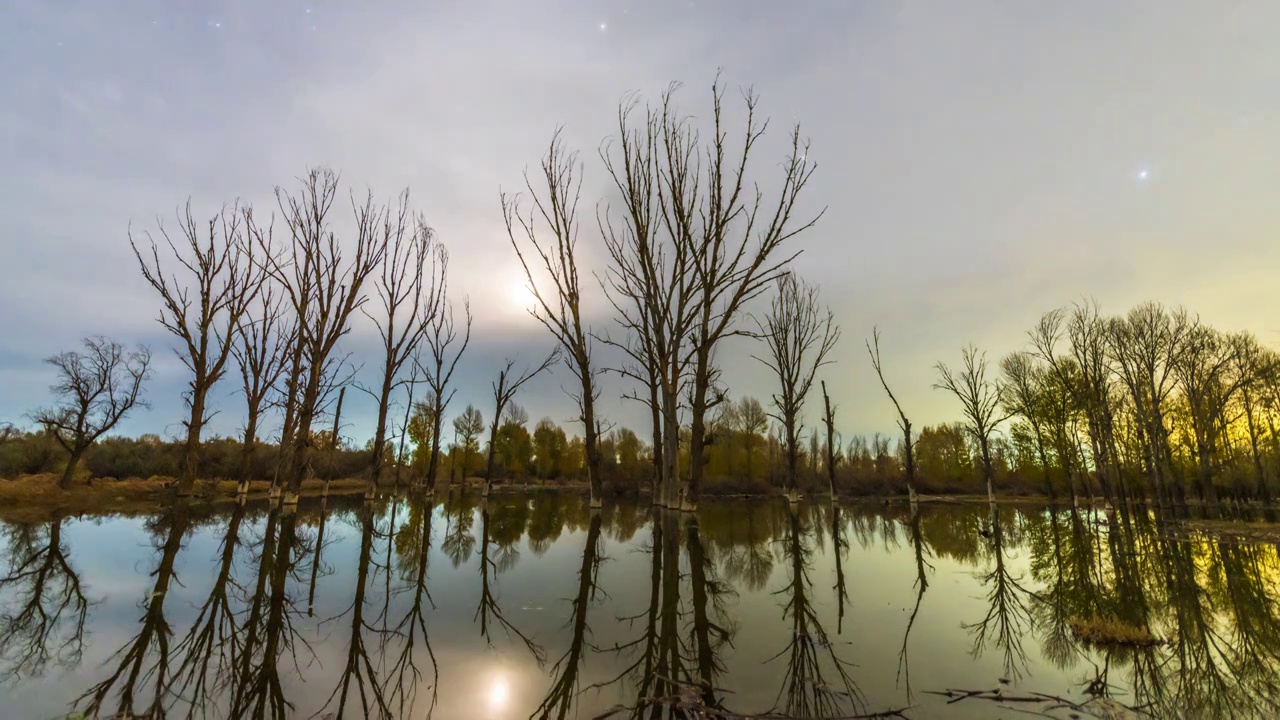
(535, 607)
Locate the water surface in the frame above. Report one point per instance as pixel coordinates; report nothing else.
(536, 607)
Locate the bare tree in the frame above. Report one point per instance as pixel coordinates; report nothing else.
(324, 285)
(738, 251)
(203, 308)
(504, 388)
(980, 401)
(557, 290)
(1023, 395)
(407, 303)
(799, 337)
(1087, 376)
(908, 443)
(650, 278)
(829, 420)
(1206, 368)
(97, 389)
(261, 350)
(467, 427)
(1143, 346)
(444, 351)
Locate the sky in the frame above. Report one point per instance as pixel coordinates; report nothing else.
(980, 163)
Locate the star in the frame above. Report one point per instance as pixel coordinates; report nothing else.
(604, 27)
(1144, 174)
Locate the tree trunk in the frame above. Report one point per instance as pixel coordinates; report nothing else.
(69, 473)
(247, 449)
(433, 462)
(671, 446)
(793, 461)
(493, 449)
(191, 449)
(591, 440)
(380, 434)
(987, 470)
(697, 435)
(655, 488)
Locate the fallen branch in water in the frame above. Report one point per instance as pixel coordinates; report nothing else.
(1095, 707)
(687, 704)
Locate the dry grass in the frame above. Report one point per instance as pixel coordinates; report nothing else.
(33, 498)
(1111, 631)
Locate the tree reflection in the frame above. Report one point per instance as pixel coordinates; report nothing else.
(268, 628)
(711, 629)
(489, 606)
(559, 699)
(919, 551)
(42, 622)
(413, 546)
(816, 682)
(142, 665)
(1008, 617)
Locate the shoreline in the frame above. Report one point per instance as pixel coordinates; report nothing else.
(37, 497)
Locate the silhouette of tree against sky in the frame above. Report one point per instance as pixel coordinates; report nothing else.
(1008, 617)
(816, 681)
(269, 625)
(904, 425)
(143, 665)
(324, 281)
(98, 388)
(505, 388)
(203, 306)
(799, 336)
(554, 282)
(413, 548)
(409, 294)
(564, 687)
(260, 348)
(42, 622)
(1085, 373)
(445, 347)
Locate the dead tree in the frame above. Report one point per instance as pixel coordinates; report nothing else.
(739, 249)
(1024, 383)
(649, 281)
(205, 291)
(1142, 348)
(97, 389)
(505, 388)
(554, 282)
(444, 351)
(799, 337)
(1206, 368)
(407, 301)
(980, 402)
(908, 443)
(261, 348)
(829, 420)
(324, 284)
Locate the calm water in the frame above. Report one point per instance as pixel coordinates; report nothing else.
(538, 607)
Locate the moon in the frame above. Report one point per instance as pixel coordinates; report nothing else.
(498, 693)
